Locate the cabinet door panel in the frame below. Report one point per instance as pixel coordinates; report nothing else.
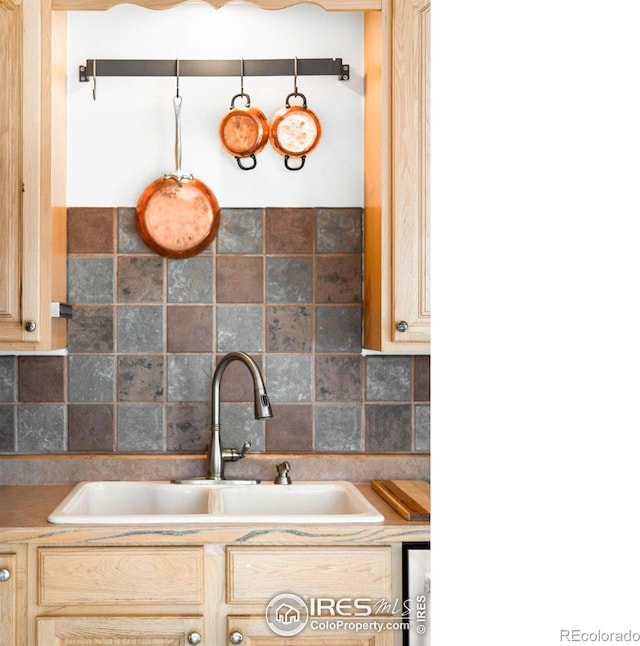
(8, 601)
(117, 631)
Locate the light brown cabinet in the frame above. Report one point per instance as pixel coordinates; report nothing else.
(13, 601)
(397, 309)
(32, 175)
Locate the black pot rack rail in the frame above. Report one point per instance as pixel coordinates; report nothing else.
(238, 67)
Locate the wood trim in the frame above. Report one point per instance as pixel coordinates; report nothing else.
(328, 5)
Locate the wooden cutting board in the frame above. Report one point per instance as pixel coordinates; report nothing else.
(410, 498)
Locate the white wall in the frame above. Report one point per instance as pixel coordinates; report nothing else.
(125, 139)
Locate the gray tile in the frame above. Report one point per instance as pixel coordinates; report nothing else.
(289, 378)
(190, 280)
(7, 428)
(339, 230)
(189, 377)
(140, 329)
(238, 424)
(129, 240)
(338, 428)
(91, 329)
(90, 280)
(387, 428)
(91, 378)
(188, 427)
(140, 378)
(338, 378)
(388, 378)
(423, 427)
(140, 428)
(240, 327)
(338, 328)
(289, 279)
(41, 428)
(241, 231)
(7, 379)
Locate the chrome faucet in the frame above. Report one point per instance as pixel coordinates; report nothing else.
(262, 409)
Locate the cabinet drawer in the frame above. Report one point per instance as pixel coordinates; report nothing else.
(120, 575)
(257, 574)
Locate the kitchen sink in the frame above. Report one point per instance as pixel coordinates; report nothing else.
(132, 503)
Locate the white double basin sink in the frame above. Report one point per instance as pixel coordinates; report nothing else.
(134, 503)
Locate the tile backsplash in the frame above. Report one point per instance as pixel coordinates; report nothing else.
(282, 284)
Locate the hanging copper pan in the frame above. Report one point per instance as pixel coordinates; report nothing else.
(244, 131)
(177, 215)
(295, 131)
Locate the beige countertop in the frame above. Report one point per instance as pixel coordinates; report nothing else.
(24, 510)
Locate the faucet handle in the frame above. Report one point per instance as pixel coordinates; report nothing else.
(232, 455)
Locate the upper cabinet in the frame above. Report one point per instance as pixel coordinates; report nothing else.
(397, 311)
(32, 168)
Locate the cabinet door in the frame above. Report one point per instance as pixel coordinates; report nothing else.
(32, 175)
(328, 631)
(8, 600)
(120, 631)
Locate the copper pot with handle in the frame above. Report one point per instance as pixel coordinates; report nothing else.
(244, 131)
(295, 131)
(177, 215)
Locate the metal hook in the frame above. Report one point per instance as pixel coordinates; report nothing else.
(241, 76)
(177, 78)
(295, 75)
(95, 65)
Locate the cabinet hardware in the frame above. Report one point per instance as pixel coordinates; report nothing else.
(402, 326)
(194, 638)
(5, 574)
(30, 326)
(236, 637)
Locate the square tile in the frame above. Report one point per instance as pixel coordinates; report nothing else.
(338, 279)
(190, 280)
(239, 327)
(90, 230)
(140, 428)
(41, 379)
(140, 279)
(239, 279)
(388, 378)
(290, 430)
(140, 378)
(338, 328)
(290, 230)
(188, 427)
(422, 378)
(239, 424)
(237, 384)
(289, 377)
(339, 378)
(140, 329)
(339, 230)
(189, 377)
(289, 328)
(7, 428)
(90, 280)
(41, 428)
(338, 428)
(387, 428)
(423, 427)
(240, 231)
(7, 379)
(91, 378)
(91, 427)
(189, 328)
(129, 240)
(91, 329)
(289, 279)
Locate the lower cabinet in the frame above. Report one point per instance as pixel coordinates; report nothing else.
(13, 604)
(210, 594)
(116, 631)
(328, 631)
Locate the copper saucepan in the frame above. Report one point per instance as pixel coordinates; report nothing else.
(295, 131)
(244, 131)
(177, 215)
